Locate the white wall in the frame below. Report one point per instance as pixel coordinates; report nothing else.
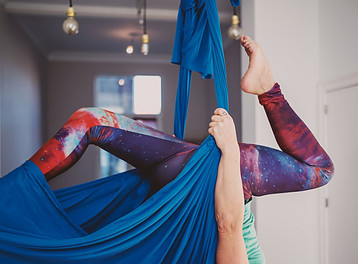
(338, 59)
(21, 75)
(338, 55)
(307, 42)
(287, 224)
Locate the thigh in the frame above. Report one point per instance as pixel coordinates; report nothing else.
(159, 158)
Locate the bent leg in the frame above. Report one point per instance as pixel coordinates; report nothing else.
(302, 165)
(143, 147)
(266, 171)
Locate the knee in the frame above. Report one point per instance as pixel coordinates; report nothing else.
(94, 116)
(84, 111)
(85, 117)
(322, 175)
(328, 173)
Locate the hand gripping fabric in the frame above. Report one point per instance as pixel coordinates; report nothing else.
(112, 220)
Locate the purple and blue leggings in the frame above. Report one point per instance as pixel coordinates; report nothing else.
(301, 165)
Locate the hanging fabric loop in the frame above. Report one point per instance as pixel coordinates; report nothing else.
(198, 47)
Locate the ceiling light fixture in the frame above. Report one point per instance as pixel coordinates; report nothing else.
(121, 82)
(129, 49)
(70, 25)
(235, 31)
(145, 38)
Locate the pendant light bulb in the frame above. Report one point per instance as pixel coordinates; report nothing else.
(129, 49)
(145, 44)
(235, 31)
(70, 25)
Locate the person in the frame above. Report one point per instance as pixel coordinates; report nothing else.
(229, 204)
(301, 165)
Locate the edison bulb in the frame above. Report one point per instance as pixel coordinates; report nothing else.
(144, 49)
(121, 82)
(70, 26)
(129, 49)
(234, 32)
(145, 44)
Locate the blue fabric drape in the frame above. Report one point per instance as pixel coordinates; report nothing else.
(198, 47)
(112, 220)
(176, 225)
(181, 102)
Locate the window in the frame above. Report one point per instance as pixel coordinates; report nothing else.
(138, 97)
(147, 95)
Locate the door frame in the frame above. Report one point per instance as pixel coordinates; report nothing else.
(324, 88)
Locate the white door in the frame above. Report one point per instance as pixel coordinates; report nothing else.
(341, 129)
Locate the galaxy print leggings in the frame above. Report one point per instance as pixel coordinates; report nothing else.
(301, 165)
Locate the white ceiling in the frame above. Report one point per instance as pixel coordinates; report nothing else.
(106, 26)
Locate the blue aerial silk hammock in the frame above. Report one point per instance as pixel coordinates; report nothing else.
(111, 220)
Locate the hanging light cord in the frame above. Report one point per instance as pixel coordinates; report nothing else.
(70, 3)
(139, 7)
(145, 16)
(234, 10)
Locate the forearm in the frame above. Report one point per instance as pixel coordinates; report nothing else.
(229, 209)
(228, 195)
(231, 249)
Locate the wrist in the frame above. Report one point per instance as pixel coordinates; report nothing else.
(231, 151)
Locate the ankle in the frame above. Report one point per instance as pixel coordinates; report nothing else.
(267, 85)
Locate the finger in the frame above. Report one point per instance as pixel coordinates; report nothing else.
(220, 111)
(217, 118)
(213, 130)
(212, 124)
(210, 130)
(216, 124)
(242, 39)
(216, 112)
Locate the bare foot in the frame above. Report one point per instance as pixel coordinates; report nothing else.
(258, 78)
